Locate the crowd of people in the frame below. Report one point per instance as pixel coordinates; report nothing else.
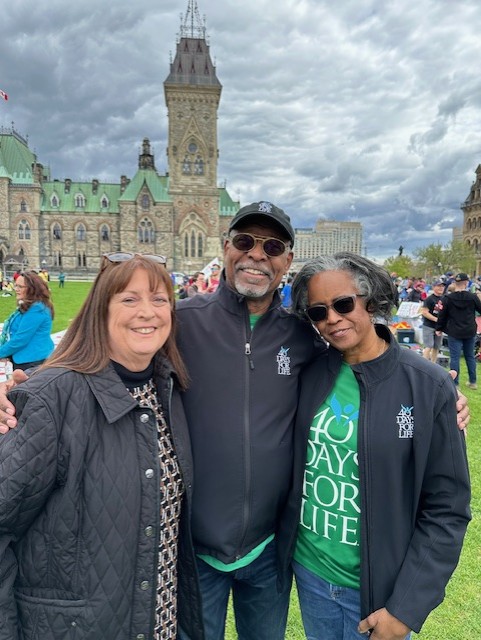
(449, 306)
(171, 454)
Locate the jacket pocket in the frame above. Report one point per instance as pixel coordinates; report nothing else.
(52, 619)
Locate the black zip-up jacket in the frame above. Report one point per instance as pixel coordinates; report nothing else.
(457, 318)
(79, 511)
(413, 473)
(240, 406)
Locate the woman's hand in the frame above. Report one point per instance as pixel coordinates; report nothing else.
(383, 626)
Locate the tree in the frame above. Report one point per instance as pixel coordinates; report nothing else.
(463, 257)
(402, 265)
(454, 256)
(434, 258)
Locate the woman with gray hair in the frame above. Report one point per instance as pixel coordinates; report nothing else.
(381, 487)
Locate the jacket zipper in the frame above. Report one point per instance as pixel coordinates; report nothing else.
(365, 576)
(247, 456)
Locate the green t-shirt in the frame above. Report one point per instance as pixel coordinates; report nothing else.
(329, 529)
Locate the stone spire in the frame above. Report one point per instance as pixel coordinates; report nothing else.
(146, 158)
(192, 26)
(192, 64)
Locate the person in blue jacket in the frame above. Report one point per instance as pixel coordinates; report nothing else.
(25, 338)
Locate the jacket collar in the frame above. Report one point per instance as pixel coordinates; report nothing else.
(376, 370)
(380, 368)
(111, 394)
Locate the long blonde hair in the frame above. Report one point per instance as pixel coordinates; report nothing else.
(85, 345)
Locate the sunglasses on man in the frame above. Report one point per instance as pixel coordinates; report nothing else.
(272, 247)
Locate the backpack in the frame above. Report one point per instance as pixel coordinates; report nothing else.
(182, 293)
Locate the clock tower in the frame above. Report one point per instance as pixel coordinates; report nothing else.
(192, 94)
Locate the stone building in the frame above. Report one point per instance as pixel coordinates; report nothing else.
(471, 209)
(68, 224)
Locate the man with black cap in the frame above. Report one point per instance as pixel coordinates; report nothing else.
(431, 307)
(244, 352)
(457, 318)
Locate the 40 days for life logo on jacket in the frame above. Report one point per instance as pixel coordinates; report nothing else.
(284, 362)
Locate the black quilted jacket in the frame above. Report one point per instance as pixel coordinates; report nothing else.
(79, 505)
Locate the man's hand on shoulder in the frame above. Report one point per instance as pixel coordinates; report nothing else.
(461, 406)
(7, 410)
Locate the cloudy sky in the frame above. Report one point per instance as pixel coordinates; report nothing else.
(364, 110)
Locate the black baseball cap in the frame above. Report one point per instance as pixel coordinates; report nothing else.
(265, 210)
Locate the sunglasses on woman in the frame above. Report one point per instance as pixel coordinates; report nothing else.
(272, 247)
(124, 256)
(318, 312)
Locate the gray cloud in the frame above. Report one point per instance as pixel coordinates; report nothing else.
(365, 111)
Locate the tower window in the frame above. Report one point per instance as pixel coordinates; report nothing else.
(24, 230)
(145, 231)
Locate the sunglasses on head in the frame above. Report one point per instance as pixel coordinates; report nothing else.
(318, 312)
(124, 256)
(272, 247)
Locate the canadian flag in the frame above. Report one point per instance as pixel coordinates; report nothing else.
(3, 95)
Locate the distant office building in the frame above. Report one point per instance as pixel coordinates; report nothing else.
(327, 237)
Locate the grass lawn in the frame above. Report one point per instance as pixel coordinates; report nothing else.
(66, 302)
(459, 616)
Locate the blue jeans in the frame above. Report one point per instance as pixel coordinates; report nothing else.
(466, 346)
(328, 612)
(260, 610)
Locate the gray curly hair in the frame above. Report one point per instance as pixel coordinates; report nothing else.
(372, 281)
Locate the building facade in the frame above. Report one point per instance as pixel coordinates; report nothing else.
(327, 237)
(471, 209)
(67, 224)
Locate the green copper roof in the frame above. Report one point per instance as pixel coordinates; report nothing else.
(16, 159)
(227, 206)
(94, 202)
(157, 185)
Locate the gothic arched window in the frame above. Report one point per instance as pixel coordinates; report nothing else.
(80, 200)
(105, 233)
(24, 230)
(145, 231)
(81, 232)
(57, 231)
